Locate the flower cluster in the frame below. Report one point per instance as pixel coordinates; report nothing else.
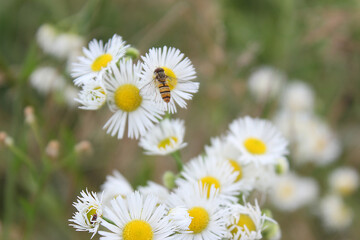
(138, 93)
(208, 200)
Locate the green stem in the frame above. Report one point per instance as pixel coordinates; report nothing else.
(177, 156)
(23, 157)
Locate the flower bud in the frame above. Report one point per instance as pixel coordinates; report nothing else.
(169, 179)
(29, 115)
(6, 140)
(282, 166)
(132, 53)
(84, 148)
(52, 149)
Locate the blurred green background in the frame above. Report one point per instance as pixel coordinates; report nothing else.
(315, 41)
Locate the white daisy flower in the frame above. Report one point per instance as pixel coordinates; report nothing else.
(208, 218)
(128, 102)
(114, 186)
(246, 222)
(155, 189)
(335, 215)
(209, 171)
(344, 180)
(98, 59)
(89, 212)
(180, 73)
(180, 217)
(46, 80)
(291, 192)
(66, 44)
(92, 95)
(165, 138)
(258, 140)
(70, 93)
(137, 217)
(45, 37)
(265, 82)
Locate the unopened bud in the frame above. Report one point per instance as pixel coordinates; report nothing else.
(282, 166)
(169, 179)
(84, 148)
(29, 115)
(132, 53)
(52, 149)
(6, 140)
(271, 231)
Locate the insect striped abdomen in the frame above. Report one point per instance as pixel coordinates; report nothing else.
(164, 91)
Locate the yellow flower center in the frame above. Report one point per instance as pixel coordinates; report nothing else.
(237, 168)
(244, 220)
(172, 79)
(127, 97)
(200, 219)
(255, 146)
(91, 214)
(137, 230)
(100, 62)
(209, 181)
(286, 191)
(167, 142)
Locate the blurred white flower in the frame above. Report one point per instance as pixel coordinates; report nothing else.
(66, 45)
(298, 96)
(46, 80)
(336, 216)
(70, 93)
(45, 37)
(155, 189)
(164, 138)
(291, 192)
(344, 180)
(265, 83)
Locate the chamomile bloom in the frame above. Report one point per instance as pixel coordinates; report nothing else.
(258, 140)
(246, 222)
(128, 102)
(179, 71)
(155, 189)
(208, 217)
(92, 96)
(89, 212)
(220, 174)
(165, 138)
(137, 217)
(98, 59)
(114, 186)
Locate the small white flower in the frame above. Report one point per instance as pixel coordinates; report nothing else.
(128, 102)
(46, 80)
(165, 138)
(45, 37)
(180, 73)
(265, 83)
(220, 174)
(89, 212)
(92, 95)
(114, 186)
(137, 217)
(180, 217)
(344, 180)
(98, 59)
(246, 222)
(155, 189)
(208, 218)
(258, 140)
(66, 44)
(291, 192)
(298, 97)
(70, 94)
(336, 216)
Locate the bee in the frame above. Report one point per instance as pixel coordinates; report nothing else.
(162, 83)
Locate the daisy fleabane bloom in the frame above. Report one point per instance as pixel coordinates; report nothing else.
(258, 140)
(246, 222)
(115, 185)
(208, 217)
(179, 71)
(220, 174)
(98, 59)
(161, 192)
(137, 217)
(128, 102)
(92, 96)
(89, 212)
(165, 138)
